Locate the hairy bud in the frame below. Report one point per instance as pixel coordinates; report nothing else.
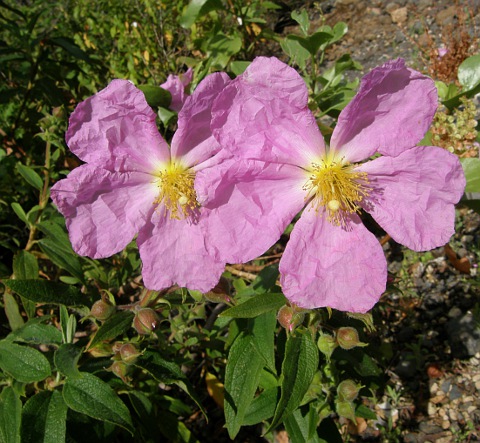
(348, 390)
(146, 321)
(102, 309)
(129, 353)
(345, 409)
(327, 344)
(347, 338)
(290, 316)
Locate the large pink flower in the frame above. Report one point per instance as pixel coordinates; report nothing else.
(134, 183)
(331, 259)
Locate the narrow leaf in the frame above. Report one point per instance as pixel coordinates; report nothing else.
(297, 425)
(156, 96)
(93, 397)
(262, 407)
(15, 319)
(242, 376)
(298, 368)
(44, 418)
(25, 266)
(116, 325)
(25, 364)
(46, 291)
(30, 176)
(20, 213)
(471, 168)
(256, 306)
(10, 416)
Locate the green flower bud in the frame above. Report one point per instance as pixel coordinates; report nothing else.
(120, 369)
(348, 390)
(347, 338)
(145, 321)
(289, 317)
(129, 353)
(327, 344)
(102, 309)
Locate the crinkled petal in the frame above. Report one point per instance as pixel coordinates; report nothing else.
(115, 129)
(103, 210)
(248, 205)
(391, 112)
(414, 194)
(325, 265)
(193, 141)
(176, 85)
(263, 115)
(173, 252)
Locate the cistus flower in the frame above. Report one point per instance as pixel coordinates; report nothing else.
(176, 85)
(134, 183)
(331, 259)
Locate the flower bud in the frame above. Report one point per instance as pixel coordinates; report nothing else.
(129, 353)
(289, 317)
(102, 310)
(101, 350)
(220, 293)
(145, 321)
(345, 409)
(120, 369)
(347, 338)
(327, 344)
(348, 390)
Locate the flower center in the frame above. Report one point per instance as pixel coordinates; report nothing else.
(176, 190)
(337, 186)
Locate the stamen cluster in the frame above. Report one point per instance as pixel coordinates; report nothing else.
(336, 185)
(176, 190)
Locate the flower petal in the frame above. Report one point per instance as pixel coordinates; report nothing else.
(116, 129)
(103, 210)
(176, 85)
(325, 265)
(173, 252)
(414, 195)
(249, 204)
(193, 141)
(263, 115)
(391, 112)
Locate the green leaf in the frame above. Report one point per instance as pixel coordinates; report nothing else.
(365, 412)
(339, 30)
(93, 397)
(69, 45)
(25, 266)
(35, 332)
(114, 326)
(197, 8)
(66, 358)
(471, 168)
(238, 66)
(262, 329)
(298, 368)
(57, 246)
(168, 372)
(262, 407)
(15, 319)
(30, 176)
(469, 72)
(47, 291)
(298, 426)
(295, 51)
(156, 96)
(25, 364)
(242, 376)
(313, 43)
(256, 306)
(302, 19)
(20, 213)
(10, 416)
(44, 418)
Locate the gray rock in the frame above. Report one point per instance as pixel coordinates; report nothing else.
(463, 336)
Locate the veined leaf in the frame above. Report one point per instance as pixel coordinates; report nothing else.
(256, 305)
(114, 326)
(10, 416)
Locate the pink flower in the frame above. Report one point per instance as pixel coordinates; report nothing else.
(133, 183)
(176, 85)
(285, 166)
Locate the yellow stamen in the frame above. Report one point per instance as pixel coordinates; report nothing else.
(175, 184)
(338, 186)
